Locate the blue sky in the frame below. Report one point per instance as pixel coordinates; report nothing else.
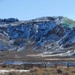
(29, 9)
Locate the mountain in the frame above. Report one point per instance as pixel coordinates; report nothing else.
(47, 36)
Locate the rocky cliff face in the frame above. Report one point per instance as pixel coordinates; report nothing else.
(50, 34)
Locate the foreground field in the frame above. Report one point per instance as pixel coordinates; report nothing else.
(44, 71)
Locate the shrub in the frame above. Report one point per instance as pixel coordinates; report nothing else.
(59, 71)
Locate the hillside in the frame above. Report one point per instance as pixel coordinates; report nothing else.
(45, 36)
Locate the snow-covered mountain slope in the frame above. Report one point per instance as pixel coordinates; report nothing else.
(52, 35)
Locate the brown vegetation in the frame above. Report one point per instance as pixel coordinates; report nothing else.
(46, 71)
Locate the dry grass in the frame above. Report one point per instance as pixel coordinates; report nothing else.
(46, 71)
(53, 71)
